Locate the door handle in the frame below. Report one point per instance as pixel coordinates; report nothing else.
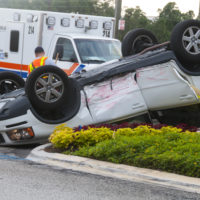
(186, 97)
(6, 55)
(137, 105)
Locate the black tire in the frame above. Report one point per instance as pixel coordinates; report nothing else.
(65, 112)
(10, 81)
(46, 87)
(137, 40)
(185, 41)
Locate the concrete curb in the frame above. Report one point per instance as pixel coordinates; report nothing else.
(124, 172)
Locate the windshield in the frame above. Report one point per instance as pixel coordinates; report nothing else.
(98, 51)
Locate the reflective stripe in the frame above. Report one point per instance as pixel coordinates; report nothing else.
(79, 68)
(23, 74)
(42, 61)
(30, 68)
(20, 69)
(14, 66)
(71, 69)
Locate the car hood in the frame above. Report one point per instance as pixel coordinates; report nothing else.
(13, 104)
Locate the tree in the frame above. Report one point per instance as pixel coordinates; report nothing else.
(134, 18)
(92, 7)
(169, 16)
(105, 8)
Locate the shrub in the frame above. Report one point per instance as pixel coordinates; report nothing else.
(183, 126)
(168, 148)
(150, 151)
(66, 138)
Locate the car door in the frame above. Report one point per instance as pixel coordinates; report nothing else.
(163, 87)
(115, 99)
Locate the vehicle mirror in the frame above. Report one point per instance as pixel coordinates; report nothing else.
(59, 51)
(73, 58)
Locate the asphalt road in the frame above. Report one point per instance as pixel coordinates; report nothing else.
(22, 179)
(18, 151)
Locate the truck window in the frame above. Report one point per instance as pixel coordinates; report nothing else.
(98, 50)
(68, 53)
(14, 41)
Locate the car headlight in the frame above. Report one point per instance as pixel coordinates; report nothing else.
(20, 134)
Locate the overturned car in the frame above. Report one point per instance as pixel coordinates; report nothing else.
(149, 81)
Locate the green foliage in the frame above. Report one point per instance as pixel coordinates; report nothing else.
(172, 152)
(92, 7)
(161, 26)
(169, 16)
(169, 148)
(134, 18)
(105, 8)
(66, 138)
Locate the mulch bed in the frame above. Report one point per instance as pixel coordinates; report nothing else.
(51, 149)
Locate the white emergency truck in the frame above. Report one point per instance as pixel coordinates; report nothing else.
(73, 41)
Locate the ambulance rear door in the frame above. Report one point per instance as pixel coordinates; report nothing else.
(13, 48)
(3, 35)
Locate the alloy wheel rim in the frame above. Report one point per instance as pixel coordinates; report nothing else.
(191, 40)
(49, 87)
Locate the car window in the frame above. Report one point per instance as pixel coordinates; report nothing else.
(68, 50)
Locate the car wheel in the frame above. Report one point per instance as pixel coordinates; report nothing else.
(46, 87)
(185, 41)
(64, 112)
(10, 81)
(137, 40)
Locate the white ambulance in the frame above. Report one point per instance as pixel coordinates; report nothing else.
(73, 41)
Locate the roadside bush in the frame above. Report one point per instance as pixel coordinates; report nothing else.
(168, 148)
(66, 138)
(116, 126)
(179, 155)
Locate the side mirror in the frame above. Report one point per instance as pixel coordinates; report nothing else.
(73, 58)
(58, 54)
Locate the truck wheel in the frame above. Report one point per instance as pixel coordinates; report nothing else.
(185, 41)
(137, 40)
(46, 87)
(10, 81)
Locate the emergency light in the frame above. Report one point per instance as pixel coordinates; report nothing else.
(51, 21)
(93, 24)
(107, 25)
(79, 23)
(65, 22)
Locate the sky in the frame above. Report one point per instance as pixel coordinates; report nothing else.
(150, 7)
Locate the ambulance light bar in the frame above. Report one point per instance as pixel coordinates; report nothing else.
(79, 23)
(16, 17)
(65, 22)
(93, 24)
(51, 21)
(107, 25)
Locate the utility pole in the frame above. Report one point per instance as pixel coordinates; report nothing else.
(118, 6)
(198, 17)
